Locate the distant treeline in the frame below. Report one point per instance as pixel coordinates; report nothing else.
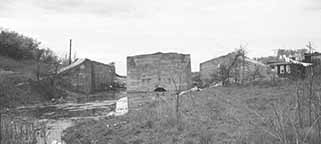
(20, 47)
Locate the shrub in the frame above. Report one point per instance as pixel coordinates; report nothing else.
(17, 46)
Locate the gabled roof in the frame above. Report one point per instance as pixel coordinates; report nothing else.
(254, 61)
(74, 64)
(292, 62)
(302, 63)
(278, 63)
(232, 54)
(79, 62)
(220, 57)
(312, 54)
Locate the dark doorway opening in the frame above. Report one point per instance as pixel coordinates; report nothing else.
(159, 89)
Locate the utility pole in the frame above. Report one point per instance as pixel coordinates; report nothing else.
(309, 46)
(70, 41)
(243, 63)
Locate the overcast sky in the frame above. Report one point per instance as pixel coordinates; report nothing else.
(110, 30)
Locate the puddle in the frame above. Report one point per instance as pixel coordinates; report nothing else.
(49, 121)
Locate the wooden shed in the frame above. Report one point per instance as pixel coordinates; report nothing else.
(292, 69)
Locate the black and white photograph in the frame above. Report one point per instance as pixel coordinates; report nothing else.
(160, 71)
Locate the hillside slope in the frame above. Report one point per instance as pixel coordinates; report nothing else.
(26, 68)
(216, 115)
(18, 85)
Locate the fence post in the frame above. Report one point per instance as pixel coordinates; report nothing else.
(177, 109)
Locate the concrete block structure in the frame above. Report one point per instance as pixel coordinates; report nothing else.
(171, 71)
(242, 70)
(87, 76)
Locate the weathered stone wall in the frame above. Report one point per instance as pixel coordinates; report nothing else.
(89, 77)
(167, 70)
(103, 76)
(209, 67)
(79, 78)
(240, 71)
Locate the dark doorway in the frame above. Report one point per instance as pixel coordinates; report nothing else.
(159, 89)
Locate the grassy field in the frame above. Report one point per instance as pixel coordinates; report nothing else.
(222, 115)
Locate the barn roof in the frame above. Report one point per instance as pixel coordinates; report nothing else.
(312, 54)
(298, 62)
(292, 62)
(232, 54)
(79, 62)
(74, 64)
(255, 61)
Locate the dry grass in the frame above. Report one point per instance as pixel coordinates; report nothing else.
(217, 115)
(14, 130)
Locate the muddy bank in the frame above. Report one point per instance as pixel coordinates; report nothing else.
(46, 124)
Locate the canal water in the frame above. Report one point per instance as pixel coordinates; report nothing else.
(46, 123)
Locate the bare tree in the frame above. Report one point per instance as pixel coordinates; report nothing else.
(177, 79)
(296, 119)
(225, 71)
(38, 54)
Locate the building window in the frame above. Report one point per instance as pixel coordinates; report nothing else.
(282, 69)
(288, 70)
